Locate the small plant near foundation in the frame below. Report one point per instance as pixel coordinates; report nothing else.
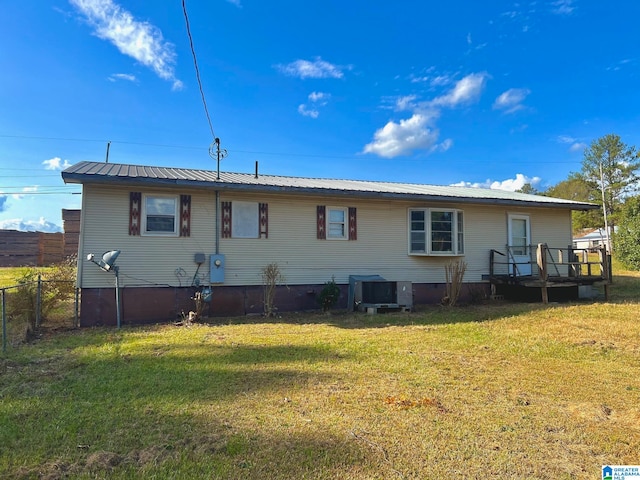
(271, 278)
(454, 274)
(329, 295)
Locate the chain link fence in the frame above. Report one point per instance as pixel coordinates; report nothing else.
(37, 306)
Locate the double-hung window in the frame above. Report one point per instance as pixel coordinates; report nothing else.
(337, 223)
(160, 215)
(434, 231)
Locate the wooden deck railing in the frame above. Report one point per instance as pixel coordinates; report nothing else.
(552, 267)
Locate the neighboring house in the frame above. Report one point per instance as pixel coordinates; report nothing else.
(172, 224)
(597, 238)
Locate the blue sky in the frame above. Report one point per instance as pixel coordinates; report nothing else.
(490, 94)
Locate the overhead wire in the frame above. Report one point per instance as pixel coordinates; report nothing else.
(254, 152)
(195, 64)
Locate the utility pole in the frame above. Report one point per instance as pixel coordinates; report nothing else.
(604, 210)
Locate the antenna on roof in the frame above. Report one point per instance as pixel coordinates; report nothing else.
(106, 160)
(217, 154)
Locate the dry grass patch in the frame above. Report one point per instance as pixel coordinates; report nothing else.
(514, 391)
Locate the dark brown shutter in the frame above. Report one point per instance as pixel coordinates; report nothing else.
(353, 225)
(226, 219)
(321, 223)
(263, 216)
(185, 215)
(135, 198)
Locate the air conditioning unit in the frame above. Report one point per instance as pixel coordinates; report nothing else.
(374, 292)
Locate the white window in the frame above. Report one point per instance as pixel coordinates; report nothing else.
(245, 219)
(436, 232)
(337, 223)
(160, 215)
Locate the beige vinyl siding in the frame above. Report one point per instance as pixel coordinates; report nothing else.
(144, 260)
(381, 247)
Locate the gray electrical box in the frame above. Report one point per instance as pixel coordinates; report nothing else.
(216, 268)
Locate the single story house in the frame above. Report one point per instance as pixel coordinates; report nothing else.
(179, 230)
(591, 239)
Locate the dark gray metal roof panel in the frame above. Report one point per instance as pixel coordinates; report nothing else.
(98, 172)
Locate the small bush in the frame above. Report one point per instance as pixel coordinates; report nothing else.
(271, 278)
(454, 274)
(57, 285)
(329, 295)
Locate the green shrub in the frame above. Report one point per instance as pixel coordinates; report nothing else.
(329, 295)
(627, 238)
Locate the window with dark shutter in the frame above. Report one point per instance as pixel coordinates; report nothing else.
(185, 215)
(134, 213)
(245, 220)
(320, 220)
(336, 223)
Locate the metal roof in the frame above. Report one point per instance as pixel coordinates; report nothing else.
(110, 173)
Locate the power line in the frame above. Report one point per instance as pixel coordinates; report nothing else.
(195, 63)
(252, 152)
(26, 194)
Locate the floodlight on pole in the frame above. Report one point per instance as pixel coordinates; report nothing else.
(107, 263)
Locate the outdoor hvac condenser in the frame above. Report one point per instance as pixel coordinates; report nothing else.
(374, 292)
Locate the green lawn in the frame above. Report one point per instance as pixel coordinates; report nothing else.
(492, 391)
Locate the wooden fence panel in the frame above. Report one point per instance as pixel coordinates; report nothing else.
(30, 248)
(71, 227)
(39, 248)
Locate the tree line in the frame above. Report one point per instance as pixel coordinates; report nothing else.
(608, 178)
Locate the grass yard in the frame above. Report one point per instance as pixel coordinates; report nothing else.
(492, 391)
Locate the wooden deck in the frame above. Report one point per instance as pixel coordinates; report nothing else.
(551, 267)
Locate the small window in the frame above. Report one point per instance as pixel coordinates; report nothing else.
(337, 223)
(160, 214)
(245, 220)
(436, 232)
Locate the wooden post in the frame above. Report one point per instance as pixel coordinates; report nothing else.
(492, 257)
(604, 271)
(4, 321)
(541, 258)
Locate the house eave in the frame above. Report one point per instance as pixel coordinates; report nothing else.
(219, 185)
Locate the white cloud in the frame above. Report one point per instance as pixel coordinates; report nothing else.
(444, 146)
(465, 90)
(405, 103)
(402, 138)
(305, 111)
(56, 163)
(137, 39)
(511, 100)
(122, 76)
(22, 225)
(510, 184)
(317, 68)
(419, 132)
(319, 97)
(578, 147)
(316, 99)
(574, 144)
(3, 202)
(23, 192)
(440, 80)
(562, 7)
